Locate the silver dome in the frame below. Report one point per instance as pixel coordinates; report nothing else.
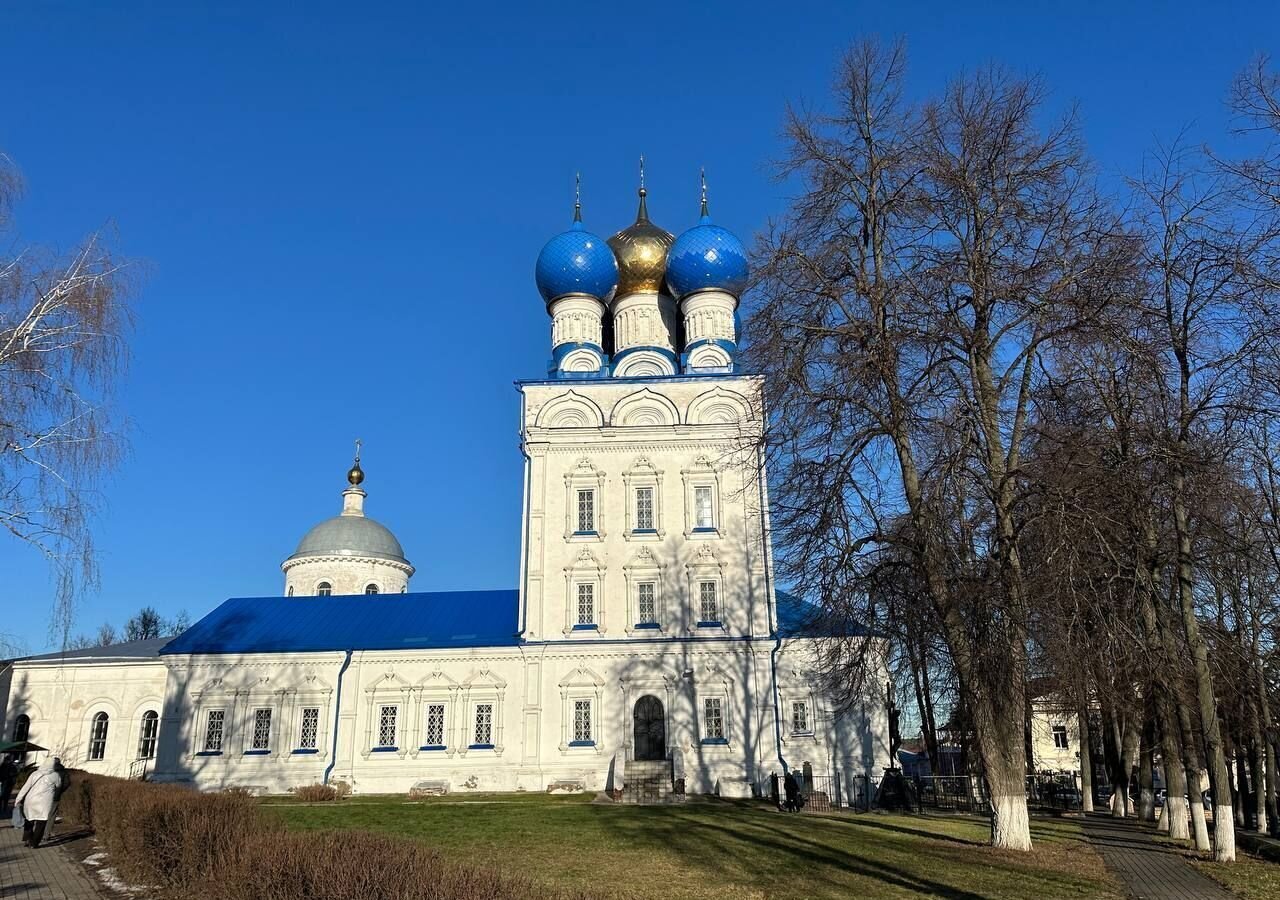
(350, 536)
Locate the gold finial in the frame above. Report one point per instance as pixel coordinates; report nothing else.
(577, 197)
(642, 190)
(355, 474)
(704, 191)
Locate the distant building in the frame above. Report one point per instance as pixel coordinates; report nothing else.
(645, 638)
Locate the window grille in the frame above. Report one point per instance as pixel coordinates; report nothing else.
(147, 735)
(387, 726)
(98, 737)
(435, 725)
(800, 717)
(707, 602)
(582, 720)
(324, 589)
(644, 600)
(703, 512)
(586, 604)
(644, 509)
(310, 737)
(586, 511)
(261, 729)
(1060, 737)
(713, 719)
(484, 723)
(213, 730)
(371, 589)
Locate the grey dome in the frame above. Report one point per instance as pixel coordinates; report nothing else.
(350, 536)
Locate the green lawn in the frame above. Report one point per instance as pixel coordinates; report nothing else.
(708, 850)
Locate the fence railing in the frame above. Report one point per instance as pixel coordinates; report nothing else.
(943, 793)
(820, 793)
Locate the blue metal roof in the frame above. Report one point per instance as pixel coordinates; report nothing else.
(433, 621)
(799, 618)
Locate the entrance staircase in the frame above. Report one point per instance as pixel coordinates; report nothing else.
(649, 782)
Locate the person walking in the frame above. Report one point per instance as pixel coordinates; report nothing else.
(37, 799)
(792, 788)
(8, 775)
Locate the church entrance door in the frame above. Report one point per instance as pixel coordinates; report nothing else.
(650, 729)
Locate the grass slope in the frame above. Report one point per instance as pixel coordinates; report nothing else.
(705, 851)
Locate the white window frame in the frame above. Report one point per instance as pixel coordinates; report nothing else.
(488, 742)
(644, 569)
(806, 727)
(721, 704)
(583, 732)
(586, 569)
(708, 586)
(98, 744)
(379, 744)
(481, 688)
(302, 727)
(702, 474)
(582, 685)
(643, 475)
(206, 721)
(327, 586)
(584, 477)
(705, 567)
(251, 731)
(428, 704)
(388, 689)
(148, 716)
(1055, 731)
(715, 685)
(377, 589)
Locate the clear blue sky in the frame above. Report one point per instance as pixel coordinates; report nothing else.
(341, 205)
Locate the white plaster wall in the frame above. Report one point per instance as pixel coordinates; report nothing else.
(1045, 756)
(347, 574)
(63, 697)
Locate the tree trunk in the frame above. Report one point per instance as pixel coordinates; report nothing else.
(1086, 761)
(1146, 765)
(1195, 781)
(1175, 772)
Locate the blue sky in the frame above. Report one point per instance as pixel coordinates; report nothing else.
(340, 206)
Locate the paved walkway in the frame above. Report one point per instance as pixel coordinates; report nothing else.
(1150, 871)
(50, 873)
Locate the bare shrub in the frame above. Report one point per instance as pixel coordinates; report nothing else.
(315, 793)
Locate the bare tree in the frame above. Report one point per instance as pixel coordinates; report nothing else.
(64, 320)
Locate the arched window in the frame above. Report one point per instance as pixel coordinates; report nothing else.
(289, 593)
(324, 589)
(21, 728)
(147, 735)
(371, 589)
(98, 737)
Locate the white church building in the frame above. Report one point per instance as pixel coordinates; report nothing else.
(644, 640)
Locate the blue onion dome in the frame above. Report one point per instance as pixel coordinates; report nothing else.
(707, 257)
(576, 262)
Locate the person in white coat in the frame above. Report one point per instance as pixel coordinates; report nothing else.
(37, 800)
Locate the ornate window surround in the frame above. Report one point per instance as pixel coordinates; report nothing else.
(704, 567)
(643, 473)
(715, 685)
(214, 694)
(586, 569)
(702, 473)
(436, 689)
(583, 476)
(644, 567)
(482, 686)
(259, 695)
(313, 691)
(581, 684)
(388, 689)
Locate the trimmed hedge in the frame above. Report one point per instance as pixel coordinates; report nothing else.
(221, 847)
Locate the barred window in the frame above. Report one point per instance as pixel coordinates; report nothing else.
(644, 509)
(707, 611)
(586, 511)
(582, 720)
(435, 725)
(387, 726)
(484, 723)
(261, 729)
(213, 730)
(800, 717)
(147, 734)
(646, 611)
(586, 604)
(703, 512)
(98, 737)
(309, 738)
(713, 719)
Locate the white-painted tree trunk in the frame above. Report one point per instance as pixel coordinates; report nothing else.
(1118, 802)
(1175, 815)
(1224, 838)
(1195, 792)
(1010, 824)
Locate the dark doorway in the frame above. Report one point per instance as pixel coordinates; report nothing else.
(650, 729)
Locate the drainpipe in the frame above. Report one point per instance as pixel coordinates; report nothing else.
(337, 716)
(767, 540)
(524, 519)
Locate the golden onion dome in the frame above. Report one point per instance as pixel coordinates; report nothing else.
(641, 251)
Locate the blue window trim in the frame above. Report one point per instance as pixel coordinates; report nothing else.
(644, 531)
(717, 742)
(582, 743)
(589, 626)
(257, 753)
(432, 747)
(710, 529)
(209, 753)
(711, 624)
(305, 751)
(586, 534)
(647, 625)
(480, 747)
(386, 749)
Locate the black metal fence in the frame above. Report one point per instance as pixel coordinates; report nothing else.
(818, 793)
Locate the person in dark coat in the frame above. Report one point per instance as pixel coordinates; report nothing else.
(8, 775)
(792, 788)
